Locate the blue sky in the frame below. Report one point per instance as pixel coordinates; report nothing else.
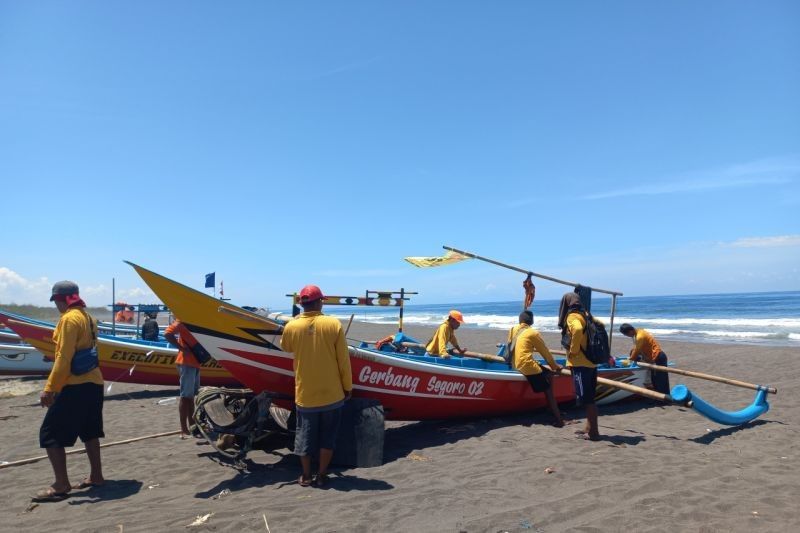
(647, 147)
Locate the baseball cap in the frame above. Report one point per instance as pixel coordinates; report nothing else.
(457, 316)
(310, 293)
(64, 288)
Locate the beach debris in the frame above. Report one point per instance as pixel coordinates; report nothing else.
(31, 506)
(754, 513)
(265, 522)
(151, 487)
(222, 494)
(418, 457)
(525, 524)
(3, 462)
(549, 470)
(167, 401)
(121, 528)
(200, 520)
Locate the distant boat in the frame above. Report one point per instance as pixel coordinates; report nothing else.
(122, 360)
(23, 360)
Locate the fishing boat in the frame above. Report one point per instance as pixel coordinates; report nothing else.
(23, 360)
(122, 360)
(410, 387)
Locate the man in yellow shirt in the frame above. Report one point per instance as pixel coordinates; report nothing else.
(445, 333)
(323, 381)
(646, 347)
(73, 394)
(523, 341)
(572, 322)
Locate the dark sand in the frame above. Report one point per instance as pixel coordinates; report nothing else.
(657, 469)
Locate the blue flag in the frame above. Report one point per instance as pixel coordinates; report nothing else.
(210, 280)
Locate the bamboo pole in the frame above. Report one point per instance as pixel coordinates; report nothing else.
(523, 271)
(475, 355)
(641, 391)
(83, 450)
(349, 323)
(709, 377)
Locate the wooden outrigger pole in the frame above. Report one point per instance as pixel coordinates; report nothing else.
(613, 294)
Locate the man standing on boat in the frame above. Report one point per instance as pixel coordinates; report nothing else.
(323, 382)
(179, 336)
(646, 347)
(523, 341)
(445, 333)
(73, 394)
(572, 322)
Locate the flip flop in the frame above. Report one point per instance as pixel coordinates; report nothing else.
(86, 484)
(320, 480)
(49, 495)
(586, 436)
(304, 481)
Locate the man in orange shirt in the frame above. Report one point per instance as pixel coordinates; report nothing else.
(73, 394)
(178, 335)
(646, 347)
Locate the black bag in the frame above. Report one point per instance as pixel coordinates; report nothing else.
(598, 350)
(200, 353)
(509, 353)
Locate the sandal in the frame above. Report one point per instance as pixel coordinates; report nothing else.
(320, 480)
(49, 495)
(304, 481)
(586, 436)
(86, 484)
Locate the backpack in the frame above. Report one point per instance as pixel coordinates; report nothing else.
(597, 350)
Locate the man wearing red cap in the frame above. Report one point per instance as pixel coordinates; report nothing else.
(323, 381)
(73, 394)
(446, 333)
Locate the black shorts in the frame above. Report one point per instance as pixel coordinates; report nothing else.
(585, 381)
(76, 412)
(540, 382)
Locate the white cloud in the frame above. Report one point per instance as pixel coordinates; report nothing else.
(772, 171)
(16, 289)
(766, 242)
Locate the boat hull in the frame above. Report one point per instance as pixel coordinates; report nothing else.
(23, 360)
(123, 360)
(408, 387)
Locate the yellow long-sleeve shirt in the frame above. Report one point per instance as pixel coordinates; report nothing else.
(73, 332)
(576, 325)
(438, 344)
(645, 345)
(322, 373)
(528, 342)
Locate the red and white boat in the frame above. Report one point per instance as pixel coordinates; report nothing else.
(409, 387)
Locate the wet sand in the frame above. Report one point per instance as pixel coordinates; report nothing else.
(657, 468)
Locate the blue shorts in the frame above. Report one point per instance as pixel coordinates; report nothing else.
(316, 430)
(190, 380)
(585, 381)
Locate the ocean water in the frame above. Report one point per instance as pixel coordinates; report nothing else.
(749, 318)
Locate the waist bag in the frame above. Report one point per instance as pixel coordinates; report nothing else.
(85, 360)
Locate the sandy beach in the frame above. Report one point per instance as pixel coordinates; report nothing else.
(658, 468)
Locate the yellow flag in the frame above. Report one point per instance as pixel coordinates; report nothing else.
(447, 259)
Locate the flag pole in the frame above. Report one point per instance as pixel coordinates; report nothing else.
(524, 271)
